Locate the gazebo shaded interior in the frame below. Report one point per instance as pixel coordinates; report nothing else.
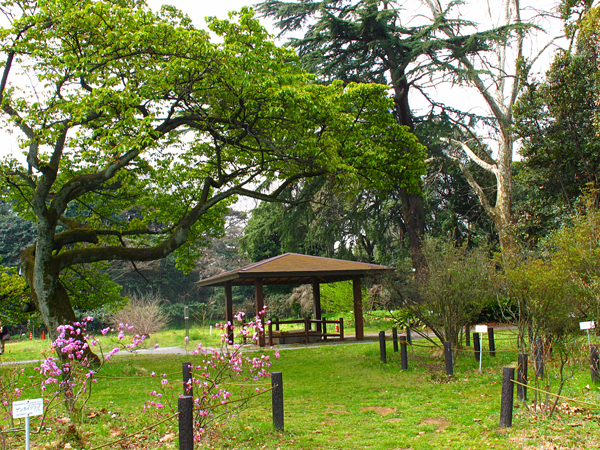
(295, 269)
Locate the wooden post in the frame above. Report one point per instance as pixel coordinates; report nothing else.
(317, 303)
(448, 358)
(341, 328)
(358, 313)
(491, 342)
(506, 406)
(324, 330)
(306, 330)
(403, 352)
(271, 334)
(522, 376)
(229, 310)
(276, 323)
(395, 339)
(277, 399)
(468, 335)
(259, 303)
(539, 358)
(382, 349)
(594, 357)
(186, 422)
(477, 346)
(188, 389)
(408, 335)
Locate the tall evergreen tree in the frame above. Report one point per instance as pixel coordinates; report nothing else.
(370, 41)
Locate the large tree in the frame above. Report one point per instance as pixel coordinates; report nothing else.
(378, 41)
(146, 130)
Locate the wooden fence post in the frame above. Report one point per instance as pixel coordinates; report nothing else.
(468, 335)
(186, 422)
(408, 335)
(477, 346)
(508, 374)
(539, 358)
(506, 406)
(594, 357)
(382, 352)
(395, 338)
(403, 352)
(491, 342)
(522, 376)
(277, 399)
(186, 369)
(448, 358)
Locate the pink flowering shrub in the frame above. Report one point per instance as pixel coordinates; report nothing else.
(224, 380)
(65, 380)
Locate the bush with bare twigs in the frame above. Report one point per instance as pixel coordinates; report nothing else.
(143, 313)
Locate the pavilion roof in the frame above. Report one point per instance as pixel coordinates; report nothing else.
(292, 268)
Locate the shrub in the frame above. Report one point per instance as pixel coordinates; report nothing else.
(143, 313)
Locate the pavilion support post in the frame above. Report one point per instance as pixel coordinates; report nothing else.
(259, 303)
(358, 312)
(317, 303)
(229, 310)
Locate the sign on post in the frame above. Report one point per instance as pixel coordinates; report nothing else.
(587, 326)
(28, 408)
(480, 329)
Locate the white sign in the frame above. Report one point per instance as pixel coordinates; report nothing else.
(587, 325)
(480, 328)
(28, 408)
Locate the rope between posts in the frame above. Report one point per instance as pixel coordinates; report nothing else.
(583, 402)
(134, 434)
(137, 376)
(485, 351)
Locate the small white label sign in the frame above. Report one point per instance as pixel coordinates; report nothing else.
(480, 328)
(587, 325)
(28, 408)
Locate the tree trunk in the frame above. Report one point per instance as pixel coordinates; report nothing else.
(48, 294)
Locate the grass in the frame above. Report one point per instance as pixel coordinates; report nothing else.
(343, 397)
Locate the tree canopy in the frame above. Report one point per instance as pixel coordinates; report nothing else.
(144, 129)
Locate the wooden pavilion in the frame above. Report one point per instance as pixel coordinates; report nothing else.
(295, 269)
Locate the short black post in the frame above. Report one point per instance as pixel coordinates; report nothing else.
(594, 363)
(382, 352)
(448, 358)
(186, 422)
(276, 323)
(395, 338)
(477, 346)
(277, 399)
(522, 376)
(491, 342)
(539, 358)
(186, 369)
(408, 335)
(506, 406)
(468, 335)
(403, 352)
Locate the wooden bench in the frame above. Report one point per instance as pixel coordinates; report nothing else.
(307, 333)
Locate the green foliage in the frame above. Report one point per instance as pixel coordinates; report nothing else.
(144, 130)
(457, 285)
(13, 289)
(17, 234)
(561, 147)
(561, 286)
(339, 297)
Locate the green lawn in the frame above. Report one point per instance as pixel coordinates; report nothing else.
(341, 397)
